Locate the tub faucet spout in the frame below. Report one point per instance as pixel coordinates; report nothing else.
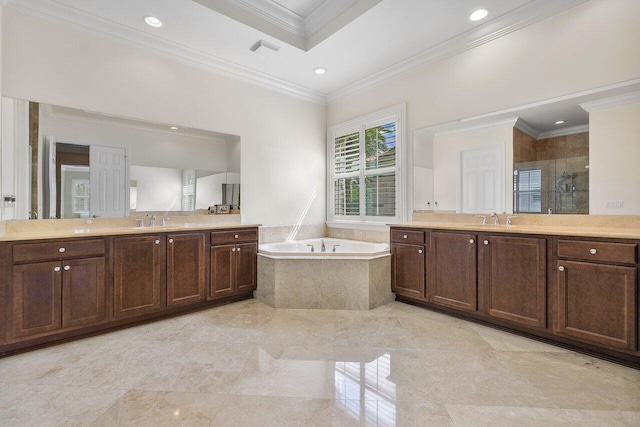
(323, 247)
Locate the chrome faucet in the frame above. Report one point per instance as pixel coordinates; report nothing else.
(509, 218)
(140, 222)
(312, 248)
(152, 221)
(334, 248)
(496, 220)
(163, 221)
(323, 248)
(484, 219)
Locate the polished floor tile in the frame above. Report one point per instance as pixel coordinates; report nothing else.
(247, 364)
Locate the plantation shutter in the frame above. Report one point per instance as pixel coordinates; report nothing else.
(346, 160)
(380, 170)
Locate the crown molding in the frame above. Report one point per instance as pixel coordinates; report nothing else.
(275, 14)
(501, 26)
(68, 16)
(563, 132)
(483, 127)
(325, 13)
(614, 101)
(527, 128)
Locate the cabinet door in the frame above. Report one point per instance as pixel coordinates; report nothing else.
(37, 298)
(186, 267)
(597, 303)
(513, 277)
(408, 270)
(245, 267)
(83, 292)
(221, 271)
(452, 263)
(136, 276)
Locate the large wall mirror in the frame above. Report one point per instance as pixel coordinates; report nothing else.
(575, 155)
(73, 163)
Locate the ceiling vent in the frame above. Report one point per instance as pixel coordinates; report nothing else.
(264, 48)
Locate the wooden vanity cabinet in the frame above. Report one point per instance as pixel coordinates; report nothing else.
(408, 263)
(137, 274)
(54, 288)
(233, 263)
(452, 270)
(597, 287)
(186, 268)
(513, 278)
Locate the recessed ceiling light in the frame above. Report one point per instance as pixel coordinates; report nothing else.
(173, 128)
(479, 14)
(560, 122)
(153, 21)
(319, 70)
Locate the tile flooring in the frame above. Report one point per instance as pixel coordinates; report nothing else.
(247, 364)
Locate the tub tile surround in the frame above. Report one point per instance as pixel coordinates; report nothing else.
(393, 365)
(289, 233)
(338, 284)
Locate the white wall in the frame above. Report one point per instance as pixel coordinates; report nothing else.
(446, 154)
(589, 46)
(282, 137)
(209, 190)
(159, 189)
(616, 171)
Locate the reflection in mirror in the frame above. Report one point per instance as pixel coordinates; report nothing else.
(557, 158)
(551, 175)
(83, 161)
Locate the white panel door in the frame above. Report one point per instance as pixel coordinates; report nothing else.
(108, 181)
(482, 186)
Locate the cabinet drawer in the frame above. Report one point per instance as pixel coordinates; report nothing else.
(236, 236)
(408, 237)
(27, 252)
(621, 253)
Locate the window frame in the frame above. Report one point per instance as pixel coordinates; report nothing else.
(394, 114)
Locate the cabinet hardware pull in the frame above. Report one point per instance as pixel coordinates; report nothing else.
(593, 251)
(561, 268)
(419, 251)
(157, 242)
(61, 250)
(56, 269)
(404, 237)
(486, 242)
(67, 268)
(236, 236)
(170, 240)
(233, 249)
(471, 241)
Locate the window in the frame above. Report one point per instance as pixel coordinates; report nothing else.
(364, 169)
(81, 196)
(528, 187)
(188, 190)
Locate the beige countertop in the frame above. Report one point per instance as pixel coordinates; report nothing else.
(99, 230)
(553, 230)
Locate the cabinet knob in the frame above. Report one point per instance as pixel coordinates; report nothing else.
(157, 242)
(67, 267)
(170, 240)
(471, 241)
(238, 249)
(56, 269)
(419, 251)
(561, 268)
(61, 250)
(486, 242)
(593, 251)
(404, 237)
(236, 236)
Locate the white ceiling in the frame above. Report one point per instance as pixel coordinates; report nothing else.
(389, 38)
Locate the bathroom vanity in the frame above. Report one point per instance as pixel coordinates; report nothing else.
(574, 286)
(68, 286)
